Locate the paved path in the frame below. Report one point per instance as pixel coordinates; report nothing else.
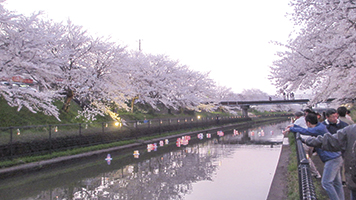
(279, 190)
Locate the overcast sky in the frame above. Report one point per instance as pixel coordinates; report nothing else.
(229, 38)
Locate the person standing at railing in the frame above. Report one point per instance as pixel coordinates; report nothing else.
(342, 111)
(331, 179)
(343, 140)
(333, 124)
(332, 121)
(300, 121)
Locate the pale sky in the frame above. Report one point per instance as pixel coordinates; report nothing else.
(229, 38)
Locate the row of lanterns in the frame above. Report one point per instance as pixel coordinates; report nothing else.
(184, 140)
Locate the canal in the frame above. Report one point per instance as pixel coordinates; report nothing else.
(228, 164)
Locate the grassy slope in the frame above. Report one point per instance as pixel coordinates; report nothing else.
(9, 116)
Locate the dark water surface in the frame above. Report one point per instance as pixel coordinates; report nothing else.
(239, 166)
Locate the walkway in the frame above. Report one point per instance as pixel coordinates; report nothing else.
(279, 190)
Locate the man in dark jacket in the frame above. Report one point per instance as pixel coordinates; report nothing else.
(331, 179)
(332, 121)
(343, 140)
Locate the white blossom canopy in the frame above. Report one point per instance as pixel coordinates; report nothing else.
(321, 58)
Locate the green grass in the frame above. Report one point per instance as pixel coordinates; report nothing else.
(293, 184)
(9, 116)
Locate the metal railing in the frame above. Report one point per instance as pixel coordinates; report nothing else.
(40, 139)
(306, 187)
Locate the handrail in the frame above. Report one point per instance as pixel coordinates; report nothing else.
(306, 187)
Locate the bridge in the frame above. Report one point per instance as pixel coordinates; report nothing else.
(245, 105)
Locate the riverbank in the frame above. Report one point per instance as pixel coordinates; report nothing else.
(279, 186)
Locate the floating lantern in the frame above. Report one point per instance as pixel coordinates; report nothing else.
(220, 133)
(149, 147)
(178, 143)
(108, 159)
(201, 136)
(185, 142)
(136, 154)
(236, 132)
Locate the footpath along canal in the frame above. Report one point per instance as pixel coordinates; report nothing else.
(206, 165)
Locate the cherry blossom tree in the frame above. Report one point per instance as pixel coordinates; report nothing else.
(160, 80)
(65, 62)
(23, 54)
(321, 57)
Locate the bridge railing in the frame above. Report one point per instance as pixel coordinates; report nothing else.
(306, 187)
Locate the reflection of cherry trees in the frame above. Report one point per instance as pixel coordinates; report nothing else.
(169, 176)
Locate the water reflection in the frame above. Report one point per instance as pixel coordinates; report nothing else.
(167, 171)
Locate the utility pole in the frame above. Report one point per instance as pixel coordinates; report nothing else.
(139, 44)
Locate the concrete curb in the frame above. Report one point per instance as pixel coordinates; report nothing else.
(278, 189)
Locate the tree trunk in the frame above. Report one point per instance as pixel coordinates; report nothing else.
(133, 102)
(70, 95)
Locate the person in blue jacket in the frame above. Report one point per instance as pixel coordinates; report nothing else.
(331, 178)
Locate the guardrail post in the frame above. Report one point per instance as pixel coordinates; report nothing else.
(11, 147)
(80, 129)
(50, 139)
(80, 134)
(102, 127)
(160, 122)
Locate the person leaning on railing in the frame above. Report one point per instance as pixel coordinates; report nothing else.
(331, 179)
(343, 140)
